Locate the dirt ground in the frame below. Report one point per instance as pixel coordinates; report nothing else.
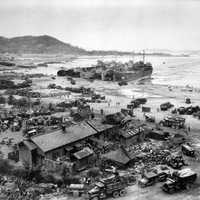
(118, 97)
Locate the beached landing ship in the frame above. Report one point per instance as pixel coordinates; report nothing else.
(111, 71)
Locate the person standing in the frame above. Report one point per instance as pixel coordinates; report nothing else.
(189, 128)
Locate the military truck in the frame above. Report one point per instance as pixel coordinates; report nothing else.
(76, 189)
(148, 179)
(113, 185)
(141, 100)
(138, 101)
(180, 180)
(188, 150)
(173, 122)
(181, 110)
(188, 101)
(73, 82)
(166, 106)
(157, 174)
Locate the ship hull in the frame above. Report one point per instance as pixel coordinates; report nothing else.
(131, 76)
(112, 71)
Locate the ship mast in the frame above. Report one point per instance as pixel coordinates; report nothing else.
(143, 56)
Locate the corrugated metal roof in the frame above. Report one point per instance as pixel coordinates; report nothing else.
(56, 139)
(30, 145)
(129, 133)
(97, 125)
(83, 153)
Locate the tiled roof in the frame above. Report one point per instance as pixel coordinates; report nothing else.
(129, 133)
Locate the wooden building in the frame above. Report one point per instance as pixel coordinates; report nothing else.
(55, 144)
(83, 158)
(29, 154)
(132, 136)
(104, 131)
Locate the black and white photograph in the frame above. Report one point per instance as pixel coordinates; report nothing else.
(99, 99)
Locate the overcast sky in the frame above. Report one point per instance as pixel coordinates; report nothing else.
(106, 24)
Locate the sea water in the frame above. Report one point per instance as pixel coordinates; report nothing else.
(179, 71)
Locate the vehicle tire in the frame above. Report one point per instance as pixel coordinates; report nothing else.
(188, 186)
(171, 190)
(115, 194)
(122, 193)
(95, 198)
(161, 179)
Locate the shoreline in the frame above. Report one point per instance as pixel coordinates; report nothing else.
(148, 89)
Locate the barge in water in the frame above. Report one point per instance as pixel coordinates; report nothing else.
(111, 71)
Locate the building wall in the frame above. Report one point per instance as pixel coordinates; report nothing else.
(84, 112)
(108, 134)
(52, 155)
(61, 151)
(39, 157)
(141, 136)
(25, 156)
(56, 166)
(83, 163)
(129, 141)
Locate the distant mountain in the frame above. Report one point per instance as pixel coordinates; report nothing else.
(167, 52)
(45, 44)
(37, 45)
